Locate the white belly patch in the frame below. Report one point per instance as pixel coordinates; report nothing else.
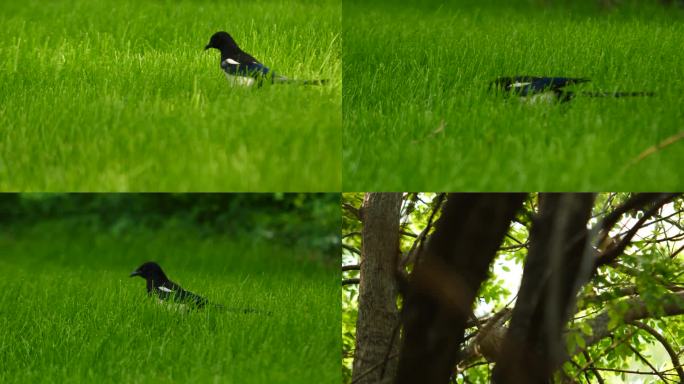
(242, 81)
(540, 98)
(518, 84)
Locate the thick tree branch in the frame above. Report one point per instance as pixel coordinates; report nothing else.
(613, 294)
(488, 339)
(443, 284)
(673, 304)
(558, 263)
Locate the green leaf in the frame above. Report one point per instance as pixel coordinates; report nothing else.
(586, 329)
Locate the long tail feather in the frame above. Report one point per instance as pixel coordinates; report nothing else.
(316, 82)
(618, 94)
(286, 80)
(241, 310)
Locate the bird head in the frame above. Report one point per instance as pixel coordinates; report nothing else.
(150, 271)
(221, 40)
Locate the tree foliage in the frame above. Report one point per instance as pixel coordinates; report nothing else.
(626, 321)
(306, 219)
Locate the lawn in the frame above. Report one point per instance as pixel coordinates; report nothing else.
(120, 96)
(70, 313)
(418, 114)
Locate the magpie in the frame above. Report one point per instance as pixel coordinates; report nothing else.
(169, 292)
(534, 89)
(165, 289)
(241, 68)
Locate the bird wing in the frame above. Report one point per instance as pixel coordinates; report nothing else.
(172, 291)
(166, 290)
(543, 83)
(243, 64)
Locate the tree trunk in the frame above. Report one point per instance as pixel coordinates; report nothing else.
(445, 280)
(378, 313)
(558, 263)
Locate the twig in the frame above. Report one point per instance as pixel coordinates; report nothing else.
(612, 253)
(407, 233)
(655, 148)
(352, 267)
(417, 245)
(666, 345)
(634, 202)
(356, 212)
(350, 281)
(476, 364)
(614, 345)
(350, 234)
(514, 247)
(645, 360)
(591, 368)
(678, 251)
(629, 371)
(373, 368)
(351, 249)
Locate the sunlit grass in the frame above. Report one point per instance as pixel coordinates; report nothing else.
(70, 313)
(120, 96)
(418, 115)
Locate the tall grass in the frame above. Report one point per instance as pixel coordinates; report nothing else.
(69, 312)
(120, 96)
(418, 114)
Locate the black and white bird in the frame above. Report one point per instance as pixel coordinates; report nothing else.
(536, 89)
(166, 290)
(171, 293)
(549, 89)
(241, 68)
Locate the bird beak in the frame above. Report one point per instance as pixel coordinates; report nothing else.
(134, 273)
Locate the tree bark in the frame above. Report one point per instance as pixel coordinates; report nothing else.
(378, 313)
(559, 262)
(439, 296)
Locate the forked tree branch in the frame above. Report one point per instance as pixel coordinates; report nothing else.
(614, 252)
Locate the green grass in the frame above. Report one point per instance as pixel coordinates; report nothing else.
(70, 313)
(120, 96)
(418, 115)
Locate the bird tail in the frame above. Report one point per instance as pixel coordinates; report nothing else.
(240, 310)
(618, 94)
(581, 80)
(287, 80)
(315, 82)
